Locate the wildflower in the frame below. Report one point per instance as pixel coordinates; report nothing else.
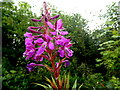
(65, 51)
(28, 34)
(65, 45)
(57, 27)
(67, 63)
(41, 48)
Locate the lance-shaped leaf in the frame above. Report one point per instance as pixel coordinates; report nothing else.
(68, 78)
(80, 86)
(50, 88)
(53, 80)
(46, 86)
(60, 82)
(41, 85)
(75, 85)
(52, 84)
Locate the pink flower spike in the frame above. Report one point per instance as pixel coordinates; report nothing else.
(51, 45)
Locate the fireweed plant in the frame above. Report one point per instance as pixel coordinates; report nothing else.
(47, 42)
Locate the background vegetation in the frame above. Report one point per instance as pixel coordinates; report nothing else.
(96, 60)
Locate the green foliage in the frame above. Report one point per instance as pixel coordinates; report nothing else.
(13, 29)
(110, 49)
(93, 81)
(15, 21)
(115, 82)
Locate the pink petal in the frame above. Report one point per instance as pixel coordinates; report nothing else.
(48, 37)
(69, 45)
(62, 53)
(28, 41)
(63, 32)
(59, 24)
(53, 33)
(67, 63)
(42, 48)
(28, 34)
(51, 45)
(50, 25)
(33, 27)
(36, 20)
(70, 52)
(39, 40)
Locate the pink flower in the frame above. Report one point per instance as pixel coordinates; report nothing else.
(64, 49)
(57, 28)
(41, 48)
(66, 63)
(28, 34)
(28, 41)
(51, 45)
(39, 41)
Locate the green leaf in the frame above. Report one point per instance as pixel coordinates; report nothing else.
(68, 78)
(12, 71)
(65, 81)
(98, 60)
(52, 84)
(53, 80)
(41, 85)
(80, 86)
(75, 85)
(50, 88)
